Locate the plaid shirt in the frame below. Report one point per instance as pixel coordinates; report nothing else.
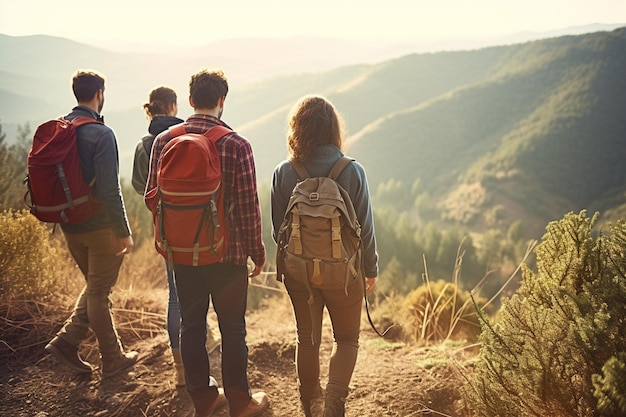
(240, 188)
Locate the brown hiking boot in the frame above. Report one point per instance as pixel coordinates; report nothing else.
(115, 366)
(219, 402)
(67, 353)
(334, 407)
(257, 405)
(313, 407)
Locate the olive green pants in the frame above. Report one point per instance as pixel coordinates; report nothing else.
(345, 315)
(94, 252)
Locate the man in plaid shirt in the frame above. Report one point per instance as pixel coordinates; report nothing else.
(226, 282)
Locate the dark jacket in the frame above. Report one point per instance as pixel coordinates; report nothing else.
(99, 159)
(141, 164)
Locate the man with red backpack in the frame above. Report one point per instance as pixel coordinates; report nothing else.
(208, 229)
(99, 243)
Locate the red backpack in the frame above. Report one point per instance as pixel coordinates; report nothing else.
(57, 190)
(190, 220)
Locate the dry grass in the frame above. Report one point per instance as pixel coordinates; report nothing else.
(438, 312)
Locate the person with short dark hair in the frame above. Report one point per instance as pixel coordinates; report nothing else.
(314, 139)
(99, 244)
(224, 283)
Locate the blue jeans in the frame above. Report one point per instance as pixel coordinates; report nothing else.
(227, 286)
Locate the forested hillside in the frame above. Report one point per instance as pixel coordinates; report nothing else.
(542, 132)
(484, 146)
(535, 127)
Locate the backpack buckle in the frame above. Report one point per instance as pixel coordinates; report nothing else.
(315, 196)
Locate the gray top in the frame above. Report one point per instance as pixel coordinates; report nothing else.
(352, 179)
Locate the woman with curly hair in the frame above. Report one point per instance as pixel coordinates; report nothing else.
(315, 140)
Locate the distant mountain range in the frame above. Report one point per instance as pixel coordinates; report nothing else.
(527, 130)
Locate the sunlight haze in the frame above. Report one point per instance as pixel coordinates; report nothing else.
(132, 24)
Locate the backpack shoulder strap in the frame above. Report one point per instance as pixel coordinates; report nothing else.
(339, 166)
(216, 132)
(147, 142)
(300, 169)
(177, 130)
(213, 133)
(79, 121)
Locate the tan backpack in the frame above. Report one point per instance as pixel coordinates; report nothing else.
(319, 240)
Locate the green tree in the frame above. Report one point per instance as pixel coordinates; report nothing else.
(561, 332)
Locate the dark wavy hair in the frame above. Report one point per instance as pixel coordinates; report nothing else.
(313, 121)
(159, 101)
(86, 83)
(206, 87)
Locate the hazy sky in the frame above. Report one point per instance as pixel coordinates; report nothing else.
(195, 22)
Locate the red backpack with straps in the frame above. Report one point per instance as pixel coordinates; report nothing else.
(190, 220)
(57, 191)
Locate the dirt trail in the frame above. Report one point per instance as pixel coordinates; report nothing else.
(390, 379)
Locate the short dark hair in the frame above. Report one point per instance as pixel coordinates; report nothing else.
(86, 83)
(207, 87)
(313, 121)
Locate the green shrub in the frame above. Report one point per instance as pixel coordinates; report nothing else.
(557, 347)
(31, 262)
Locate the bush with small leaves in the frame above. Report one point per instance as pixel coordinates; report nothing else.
(557, 346)
(610, 387)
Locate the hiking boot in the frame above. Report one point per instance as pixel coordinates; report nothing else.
(257, 405)
(334, 407)
(67, 353)
(213, 341)
(219, 402)
(115, 366)
(313, 407)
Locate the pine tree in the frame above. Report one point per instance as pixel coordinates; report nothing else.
(563, 330)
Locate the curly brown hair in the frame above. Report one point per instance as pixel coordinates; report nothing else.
(313, 121)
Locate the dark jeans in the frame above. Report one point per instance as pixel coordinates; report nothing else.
(227, 286)
(173, 311)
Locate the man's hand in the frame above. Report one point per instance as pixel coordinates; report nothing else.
(369, 285)
(126, 243)
(256, 271)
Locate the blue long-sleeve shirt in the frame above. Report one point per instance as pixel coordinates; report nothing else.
(99, 159)
(352, 179)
